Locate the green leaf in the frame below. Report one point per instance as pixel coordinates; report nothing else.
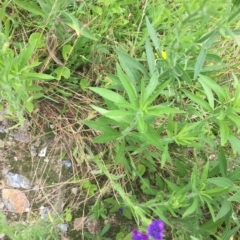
(151, 87)
(213, 57)
(191, 209)
(234, 119)
(107, 137)
(183, 74)
(203, 53)
(31, 7)
(221, 181)
(141, 169)
(142, 125)
(100, 110)
(151, 137)
(235, 143)
(33, 88)
(172, 186)
(130, 61)
(222, 162)
(120, 149)
(119, 115)
(210, 209)
(38, 38)
(199, 63)
(235, 197)
(212, 226)
(37, 95)
(153, 34)
(181, 168)
(204, 174)
(128, 86)
(68, 215)
(73, 23)
(225, 208)
(108, 94)
(105, 229)
(62, 71)
(40, 76)
(84, 84)
(224, 132)
(165, 157)
(157, 93)
(66, 50)
(98, 125)
(150, 56)
(198, 100)
(206, 81)
(234, 175)
(29, 106)
(216, 191)
(160, 109)
(26, 54)
(208, 92)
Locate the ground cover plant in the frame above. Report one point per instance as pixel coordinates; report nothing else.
(147, 95)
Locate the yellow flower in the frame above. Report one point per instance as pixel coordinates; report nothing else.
(164, 54)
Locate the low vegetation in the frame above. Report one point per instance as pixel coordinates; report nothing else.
(147, 95)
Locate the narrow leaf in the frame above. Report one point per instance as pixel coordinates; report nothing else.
(214, 86)
(235, 197)
(222, 162)
(225, 208)
(39, 76)
(198, 100)
(234, 119)
(158, 110)
(108, 94)
(150, 56)
(128, 86)
(204, 174)
(153, 34)
(235, 143)
(151, 86)
(30, 7)
(224, 132)
(107, 137)
(157, 93)
(192, 208)
(199, 63)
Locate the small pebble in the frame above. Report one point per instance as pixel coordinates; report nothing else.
(43, 211)
(17, 181)
(67, 163)
(63, 227)
(74, 191)
(15, 200)
(43, 152)
(1, 205)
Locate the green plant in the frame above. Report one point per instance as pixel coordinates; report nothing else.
(40, 229)
(18, 77)
(147, 113)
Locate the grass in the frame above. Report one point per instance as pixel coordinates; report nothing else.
(153, 135)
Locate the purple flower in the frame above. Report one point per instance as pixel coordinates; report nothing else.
(155, 229)
(120, 210)
(138, 235)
